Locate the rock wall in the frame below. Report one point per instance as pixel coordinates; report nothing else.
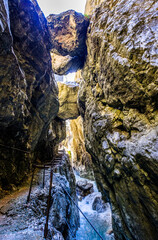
(81, 158)
(71, 212)
(68, 35)
(48, 145)
(68, 94)
(74, 144)
(91, 5)
(119, 103)
(28, 92)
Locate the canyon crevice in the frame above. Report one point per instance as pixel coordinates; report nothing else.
(117, 98)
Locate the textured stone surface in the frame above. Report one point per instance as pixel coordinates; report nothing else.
(54, 134)
(68, 33)
(28, 92)
(78, 76)
(68, 101)
(91, 5)
(118, 101)
(99, 205)
(84, 187)
(61, 64)
(81, 158)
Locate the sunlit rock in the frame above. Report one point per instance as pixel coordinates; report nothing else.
(91, 5)
(75, 143)
(61, 64)
(78, 76)
(118, 100)
(68, 34)
(68, 101)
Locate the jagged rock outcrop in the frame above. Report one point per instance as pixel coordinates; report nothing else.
(119, 103)
(68, 94)
(68, 33)
(28, 92)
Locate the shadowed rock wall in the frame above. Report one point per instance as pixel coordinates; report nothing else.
(119, 103)
(28, 92)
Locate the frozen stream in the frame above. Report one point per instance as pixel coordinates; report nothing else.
(101, 221)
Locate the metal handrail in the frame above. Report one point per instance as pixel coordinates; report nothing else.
(15, 148)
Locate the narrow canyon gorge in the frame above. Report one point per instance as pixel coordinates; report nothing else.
(101, 127)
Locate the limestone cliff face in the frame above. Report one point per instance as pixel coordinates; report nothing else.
(81, 158)
(28, 92)
(68, 35)
(68, 95)
(91, 5)
(119, 103)
(74, 144)
(78, 76)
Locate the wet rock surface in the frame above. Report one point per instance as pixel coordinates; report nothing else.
(21, 220)
(84, 187)
(68, 33)
(101, 220)
(28, 92)
(118, 102)
(99, 205)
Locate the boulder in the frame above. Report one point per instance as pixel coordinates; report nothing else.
(61, 64)
(99, 205)
(84, 188)
(119, 101)
(68, 34)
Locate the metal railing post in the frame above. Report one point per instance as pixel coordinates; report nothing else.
(48, 204)
(28, 197)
